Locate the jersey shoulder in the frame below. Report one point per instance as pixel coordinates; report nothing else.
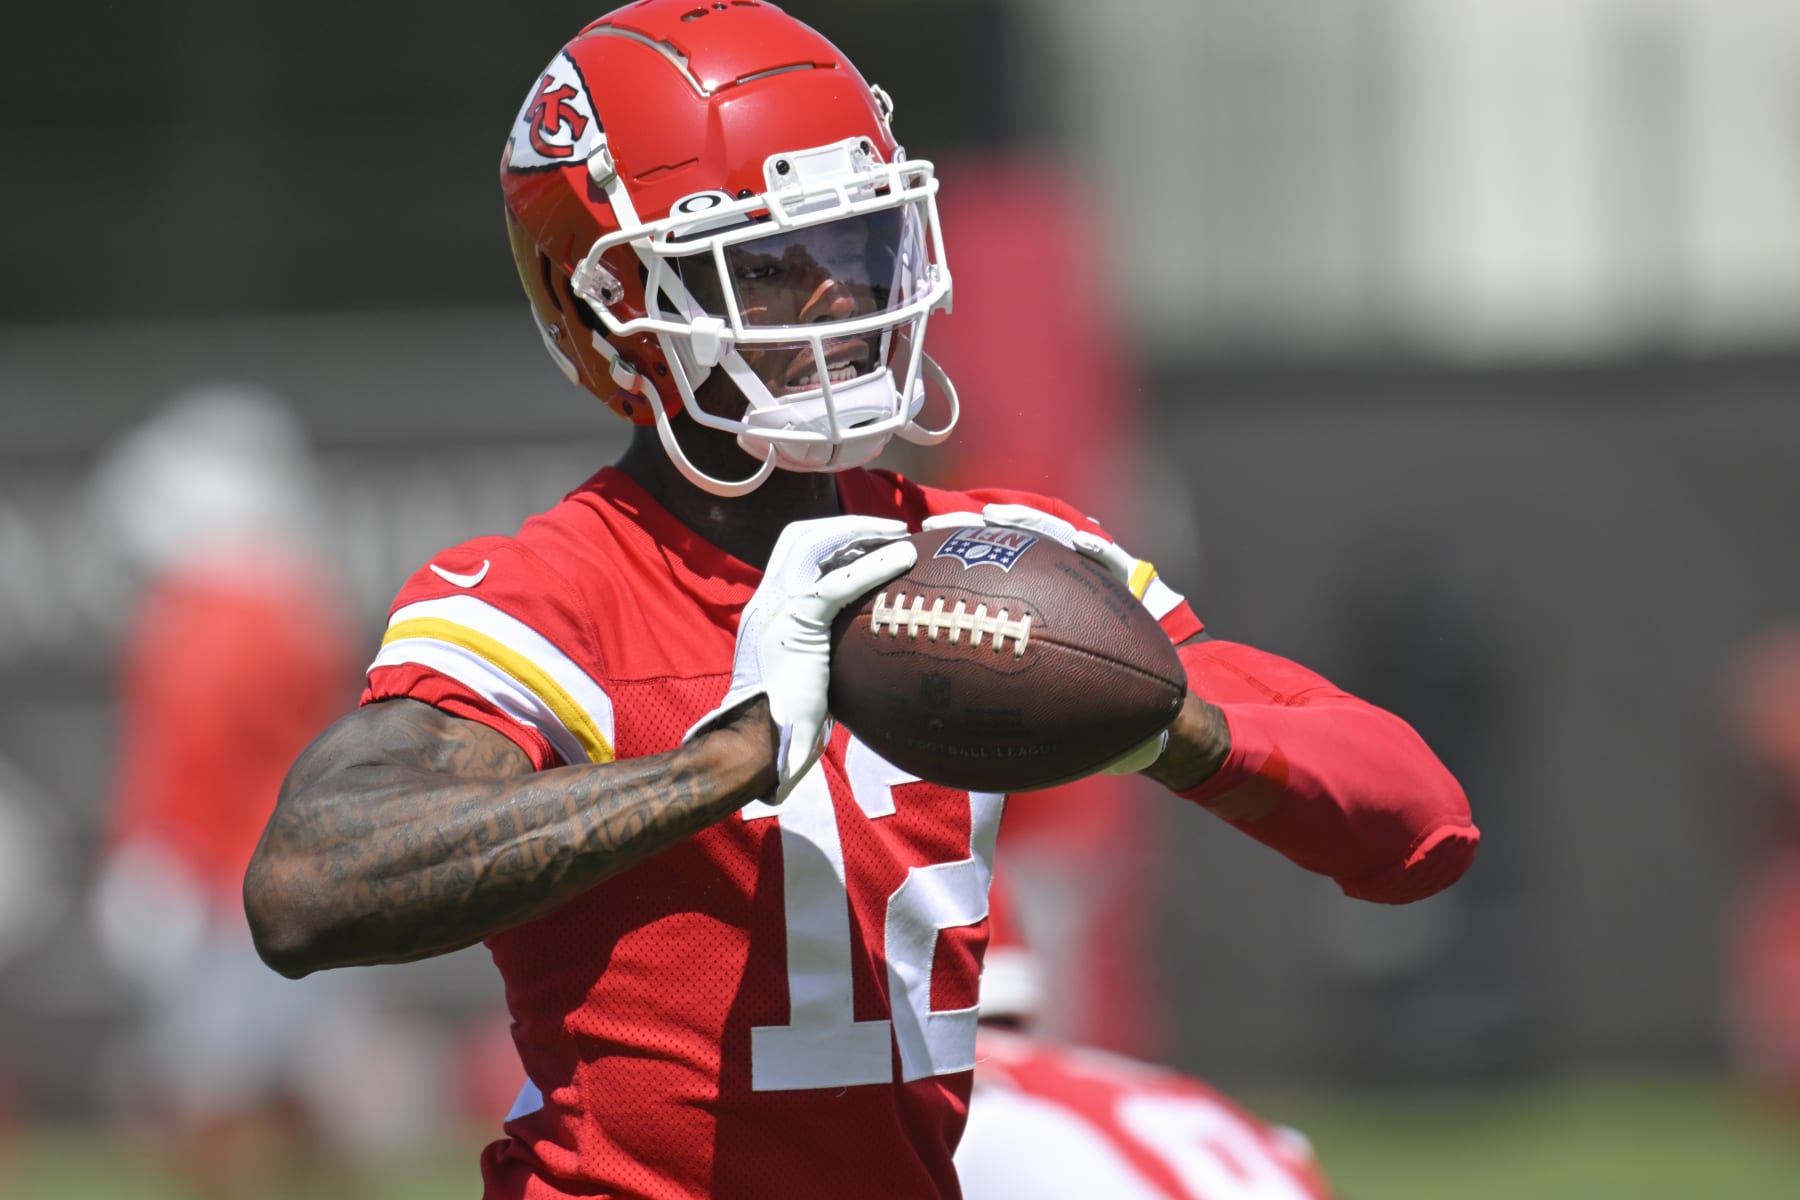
(491, 630)
(494, 570)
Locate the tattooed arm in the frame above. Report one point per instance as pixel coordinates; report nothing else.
(404, 832)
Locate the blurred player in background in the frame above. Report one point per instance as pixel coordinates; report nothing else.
(1058, 1122)
(236, 655)
(740, 951)
(1763, 946)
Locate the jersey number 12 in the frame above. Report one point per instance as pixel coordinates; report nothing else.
(823, 1044)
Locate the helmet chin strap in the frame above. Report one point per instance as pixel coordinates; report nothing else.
(916, 433)
(837, 429)
(843, 456)
(729, 488)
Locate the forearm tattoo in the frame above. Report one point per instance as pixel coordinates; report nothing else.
(404, 833)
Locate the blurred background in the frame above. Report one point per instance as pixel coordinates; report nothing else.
(1451, 347)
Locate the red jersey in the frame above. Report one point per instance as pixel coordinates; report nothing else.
(783, 1004)
(1062, 1123)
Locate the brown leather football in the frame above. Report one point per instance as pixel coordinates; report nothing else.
(1002, 662)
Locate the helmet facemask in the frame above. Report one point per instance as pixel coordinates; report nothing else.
(812, 297)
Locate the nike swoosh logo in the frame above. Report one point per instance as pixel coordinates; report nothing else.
(464, 581)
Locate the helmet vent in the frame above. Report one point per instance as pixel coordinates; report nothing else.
(675, 57)
(755, 75)
(664, 169)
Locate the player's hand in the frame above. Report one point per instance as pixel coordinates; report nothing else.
(1140, 757)
(1131, 571)
(784, 635)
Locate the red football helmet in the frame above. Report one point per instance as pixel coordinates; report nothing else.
(699, 186)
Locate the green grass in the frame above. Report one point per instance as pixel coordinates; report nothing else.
(1616, 1139)
(1649, 1139)
(85, 1163)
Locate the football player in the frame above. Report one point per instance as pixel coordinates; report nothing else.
(740, 950)
(1058, 1122)
(214, 508)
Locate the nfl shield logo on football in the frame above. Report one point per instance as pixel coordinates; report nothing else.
(988, 545)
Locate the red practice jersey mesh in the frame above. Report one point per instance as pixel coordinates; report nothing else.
(1061, 1123)
(783, 1004)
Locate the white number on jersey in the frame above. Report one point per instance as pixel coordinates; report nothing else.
(823, 1045)
(1208, 1147)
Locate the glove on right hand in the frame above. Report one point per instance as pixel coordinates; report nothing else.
(784, 635)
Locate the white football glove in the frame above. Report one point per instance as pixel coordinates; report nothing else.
(784, 634)
(1133, 572)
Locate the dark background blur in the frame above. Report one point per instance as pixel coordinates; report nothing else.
(1469, 335)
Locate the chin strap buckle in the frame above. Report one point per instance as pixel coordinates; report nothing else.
(625, 377)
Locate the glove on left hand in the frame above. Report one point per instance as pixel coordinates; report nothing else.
(1133, 572)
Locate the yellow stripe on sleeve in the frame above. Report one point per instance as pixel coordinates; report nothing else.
(1141, 575)
(527, 673)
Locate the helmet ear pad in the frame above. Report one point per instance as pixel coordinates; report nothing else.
(645, 359)
(537, 278)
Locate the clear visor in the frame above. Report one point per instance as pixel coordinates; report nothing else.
(854, 267)
(839, 270)
(814, 281)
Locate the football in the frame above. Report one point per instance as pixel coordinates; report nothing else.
(1001, 662)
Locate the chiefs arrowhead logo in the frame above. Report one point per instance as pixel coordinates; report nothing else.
(549, 114)
(556, 126)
